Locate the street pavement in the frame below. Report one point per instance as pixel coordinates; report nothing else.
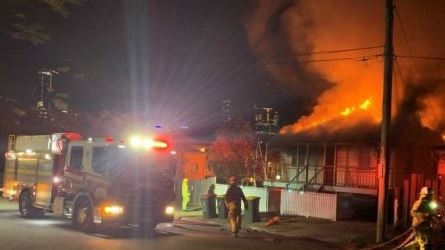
(188, 232)
(346, 233)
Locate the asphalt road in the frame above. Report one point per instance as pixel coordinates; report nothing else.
(54, 233)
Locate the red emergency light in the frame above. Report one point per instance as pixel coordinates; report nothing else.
(148, 143)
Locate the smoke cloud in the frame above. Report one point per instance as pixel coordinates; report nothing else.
(298, 43)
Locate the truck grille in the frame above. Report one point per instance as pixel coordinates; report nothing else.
(142, 207)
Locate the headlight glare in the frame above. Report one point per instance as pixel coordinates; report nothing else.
(169, 210)
(113, 210)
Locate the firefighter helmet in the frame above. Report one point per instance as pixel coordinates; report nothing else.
(232, 180)
(426, 191)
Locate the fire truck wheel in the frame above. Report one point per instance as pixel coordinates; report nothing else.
(83, 216)
(26, 208)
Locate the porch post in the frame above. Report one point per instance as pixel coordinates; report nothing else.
(307, 163)
(334, 170)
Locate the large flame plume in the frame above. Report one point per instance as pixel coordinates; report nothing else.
(327, 30)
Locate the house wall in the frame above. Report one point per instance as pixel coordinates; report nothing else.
(194, 165)
(331, 164)
(441, 177)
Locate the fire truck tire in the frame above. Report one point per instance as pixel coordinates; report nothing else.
(26, 207)
(83, 216)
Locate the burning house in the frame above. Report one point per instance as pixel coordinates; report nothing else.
(333, 146)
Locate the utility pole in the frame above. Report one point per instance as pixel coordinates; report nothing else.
(44, 105)
(385, 153)
(266, 124)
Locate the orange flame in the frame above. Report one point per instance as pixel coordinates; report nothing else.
(354, 80)
(363, 106)
(356, 84)
(352, 113)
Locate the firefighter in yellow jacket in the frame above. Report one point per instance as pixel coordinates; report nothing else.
(233, 197)
(185, 194)
(422, 212)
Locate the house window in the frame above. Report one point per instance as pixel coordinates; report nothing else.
(302, 151)
(330, 155)
(354, 157)
(365, 158)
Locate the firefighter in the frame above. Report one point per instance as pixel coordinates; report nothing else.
(422, 213)
(211, 196)
(185, 193)
(233, 198)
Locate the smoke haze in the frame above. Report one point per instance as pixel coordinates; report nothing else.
(343, 89)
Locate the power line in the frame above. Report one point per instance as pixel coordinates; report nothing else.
(271, 57)
(423, 57)
(357, 58)
(398, 70)
(346, 50)
(264, 60)
(326, 52)
(400, 78)
(404, 36)
(338, 51)
(396, 88)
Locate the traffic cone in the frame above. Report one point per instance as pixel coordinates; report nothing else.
(273, 221)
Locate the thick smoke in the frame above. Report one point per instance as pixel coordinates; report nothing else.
(354, 77)
(269, 29)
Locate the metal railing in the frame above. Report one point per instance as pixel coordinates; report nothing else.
(330, 176)
(296, 179)
(354, 177)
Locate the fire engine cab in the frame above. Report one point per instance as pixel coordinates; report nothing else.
(93, 181)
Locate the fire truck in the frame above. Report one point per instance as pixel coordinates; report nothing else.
(93, 181)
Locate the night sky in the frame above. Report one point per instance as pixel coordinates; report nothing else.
(173, 61)
(169, 61)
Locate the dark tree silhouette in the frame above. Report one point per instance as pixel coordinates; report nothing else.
(233, 150)
(23, 19)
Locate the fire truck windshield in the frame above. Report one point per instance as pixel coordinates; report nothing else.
(126, 162)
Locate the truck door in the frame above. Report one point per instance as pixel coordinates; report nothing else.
(10, 179)
(74, 163)
(95, 168)
(44, 180)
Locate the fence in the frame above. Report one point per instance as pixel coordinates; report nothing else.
(309, 204)
(198, 188)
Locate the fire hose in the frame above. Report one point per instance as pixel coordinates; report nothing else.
(196, 223)
(409, 234)
(275, 238)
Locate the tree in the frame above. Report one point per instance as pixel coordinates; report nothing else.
(22, 19)
(232, 151)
